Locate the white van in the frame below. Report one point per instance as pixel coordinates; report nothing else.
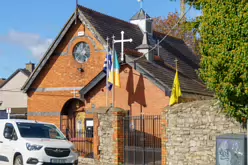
(25, 142)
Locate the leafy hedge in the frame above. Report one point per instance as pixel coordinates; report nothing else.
(224, 49)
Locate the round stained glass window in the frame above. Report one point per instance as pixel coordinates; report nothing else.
(81, 52)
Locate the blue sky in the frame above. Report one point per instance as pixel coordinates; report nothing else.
(29, 26)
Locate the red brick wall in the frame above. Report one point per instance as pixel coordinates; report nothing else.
(118, 137)
(164, 139)
(62, 71)
(50, 119)
(136, 93)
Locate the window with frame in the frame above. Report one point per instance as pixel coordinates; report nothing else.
(9, 130)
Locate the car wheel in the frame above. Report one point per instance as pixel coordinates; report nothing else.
(18, 160)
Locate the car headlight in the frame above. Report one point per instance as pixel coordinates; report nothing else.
(73, 149)
(33, 147)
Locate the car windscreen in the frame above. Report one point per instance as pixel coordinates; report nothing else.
(38, 130)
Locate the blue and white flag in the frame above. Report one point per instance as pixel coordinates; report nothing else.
(108, 62)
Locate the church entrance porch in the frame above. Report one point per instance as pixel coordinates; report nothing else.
(77, 127)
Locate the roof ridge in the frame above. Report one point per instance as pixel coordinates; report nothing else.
(160, 33)
(80, 6)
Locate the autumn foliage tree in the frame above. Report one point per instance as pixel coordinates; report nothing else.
(184, 30)
(224, 50)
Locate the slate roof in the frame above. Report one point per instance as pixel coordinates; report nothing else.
(24, 71)
(163, 76)
(108, 26)
(171, 49)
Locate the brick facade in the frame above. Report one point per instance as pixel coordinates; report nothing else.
(118, 137)
(61, 71)
(163, 127)
(136, 93)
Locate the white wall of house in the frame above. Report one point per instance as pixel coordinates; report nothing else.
(11, 94)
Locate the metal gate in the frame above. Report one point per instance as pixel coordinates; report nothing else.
(142, 140)
(83, 140)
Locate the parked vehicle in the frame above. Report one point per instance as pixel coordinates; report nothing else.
(25, 142)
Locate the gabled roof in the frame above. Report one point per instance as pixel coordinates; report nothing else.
(140, 15)
(163, 75)
(24, 71)
(107, 26)
(159, 73)
(48, 53)
(103, 26)
(93, 83)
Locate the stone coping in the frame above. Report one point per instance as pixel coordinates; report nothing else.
(102, 110)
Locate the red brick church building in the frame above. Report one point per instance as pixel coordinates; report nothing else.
(69, 79)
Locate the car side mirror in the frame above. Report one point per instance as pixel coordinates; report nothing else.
(8, 135)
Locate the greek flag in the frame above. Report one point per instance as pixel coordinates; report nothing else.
(107, 68)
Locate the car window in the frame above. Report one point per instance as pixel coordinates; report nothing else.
(37, 130)
(9, 129)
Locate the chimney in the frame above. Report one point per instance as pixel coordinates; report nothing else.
(143, 20)
(145, 47)
(30, 67)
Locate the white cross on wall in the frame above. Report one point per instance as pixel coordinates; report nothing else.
(74, 92)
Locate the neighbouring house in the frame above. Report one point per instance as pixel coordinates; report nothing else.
(11, 95)
(69, 80)
(2, 81)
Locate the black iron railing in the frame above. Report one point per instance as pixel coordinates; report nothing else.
(142, 140)
(83, 141)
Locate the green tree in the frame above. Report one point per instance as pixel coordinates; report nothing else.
(224, 53)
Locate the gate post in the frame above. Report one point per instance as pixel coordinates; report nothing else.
(163, 137)
(96, 142)
(118, 136)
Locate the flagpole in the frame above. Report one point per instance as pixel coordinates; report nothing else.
(176, 73)
(107, 72)
(113, 64)
(176, 63)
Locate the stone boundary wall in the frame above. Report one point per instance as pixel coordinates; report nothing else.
(189, 132)
(108, 137)
(105, 133)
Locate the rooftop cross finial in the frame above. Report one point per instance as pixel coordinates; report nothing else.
(76, 12)
(141, 3)
(176, 60)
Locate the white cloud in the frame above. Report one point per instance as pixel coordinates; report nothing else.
(193, 13)
(30, 41)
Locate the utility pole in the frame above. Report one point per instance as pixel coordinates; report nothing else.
(183, 8)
